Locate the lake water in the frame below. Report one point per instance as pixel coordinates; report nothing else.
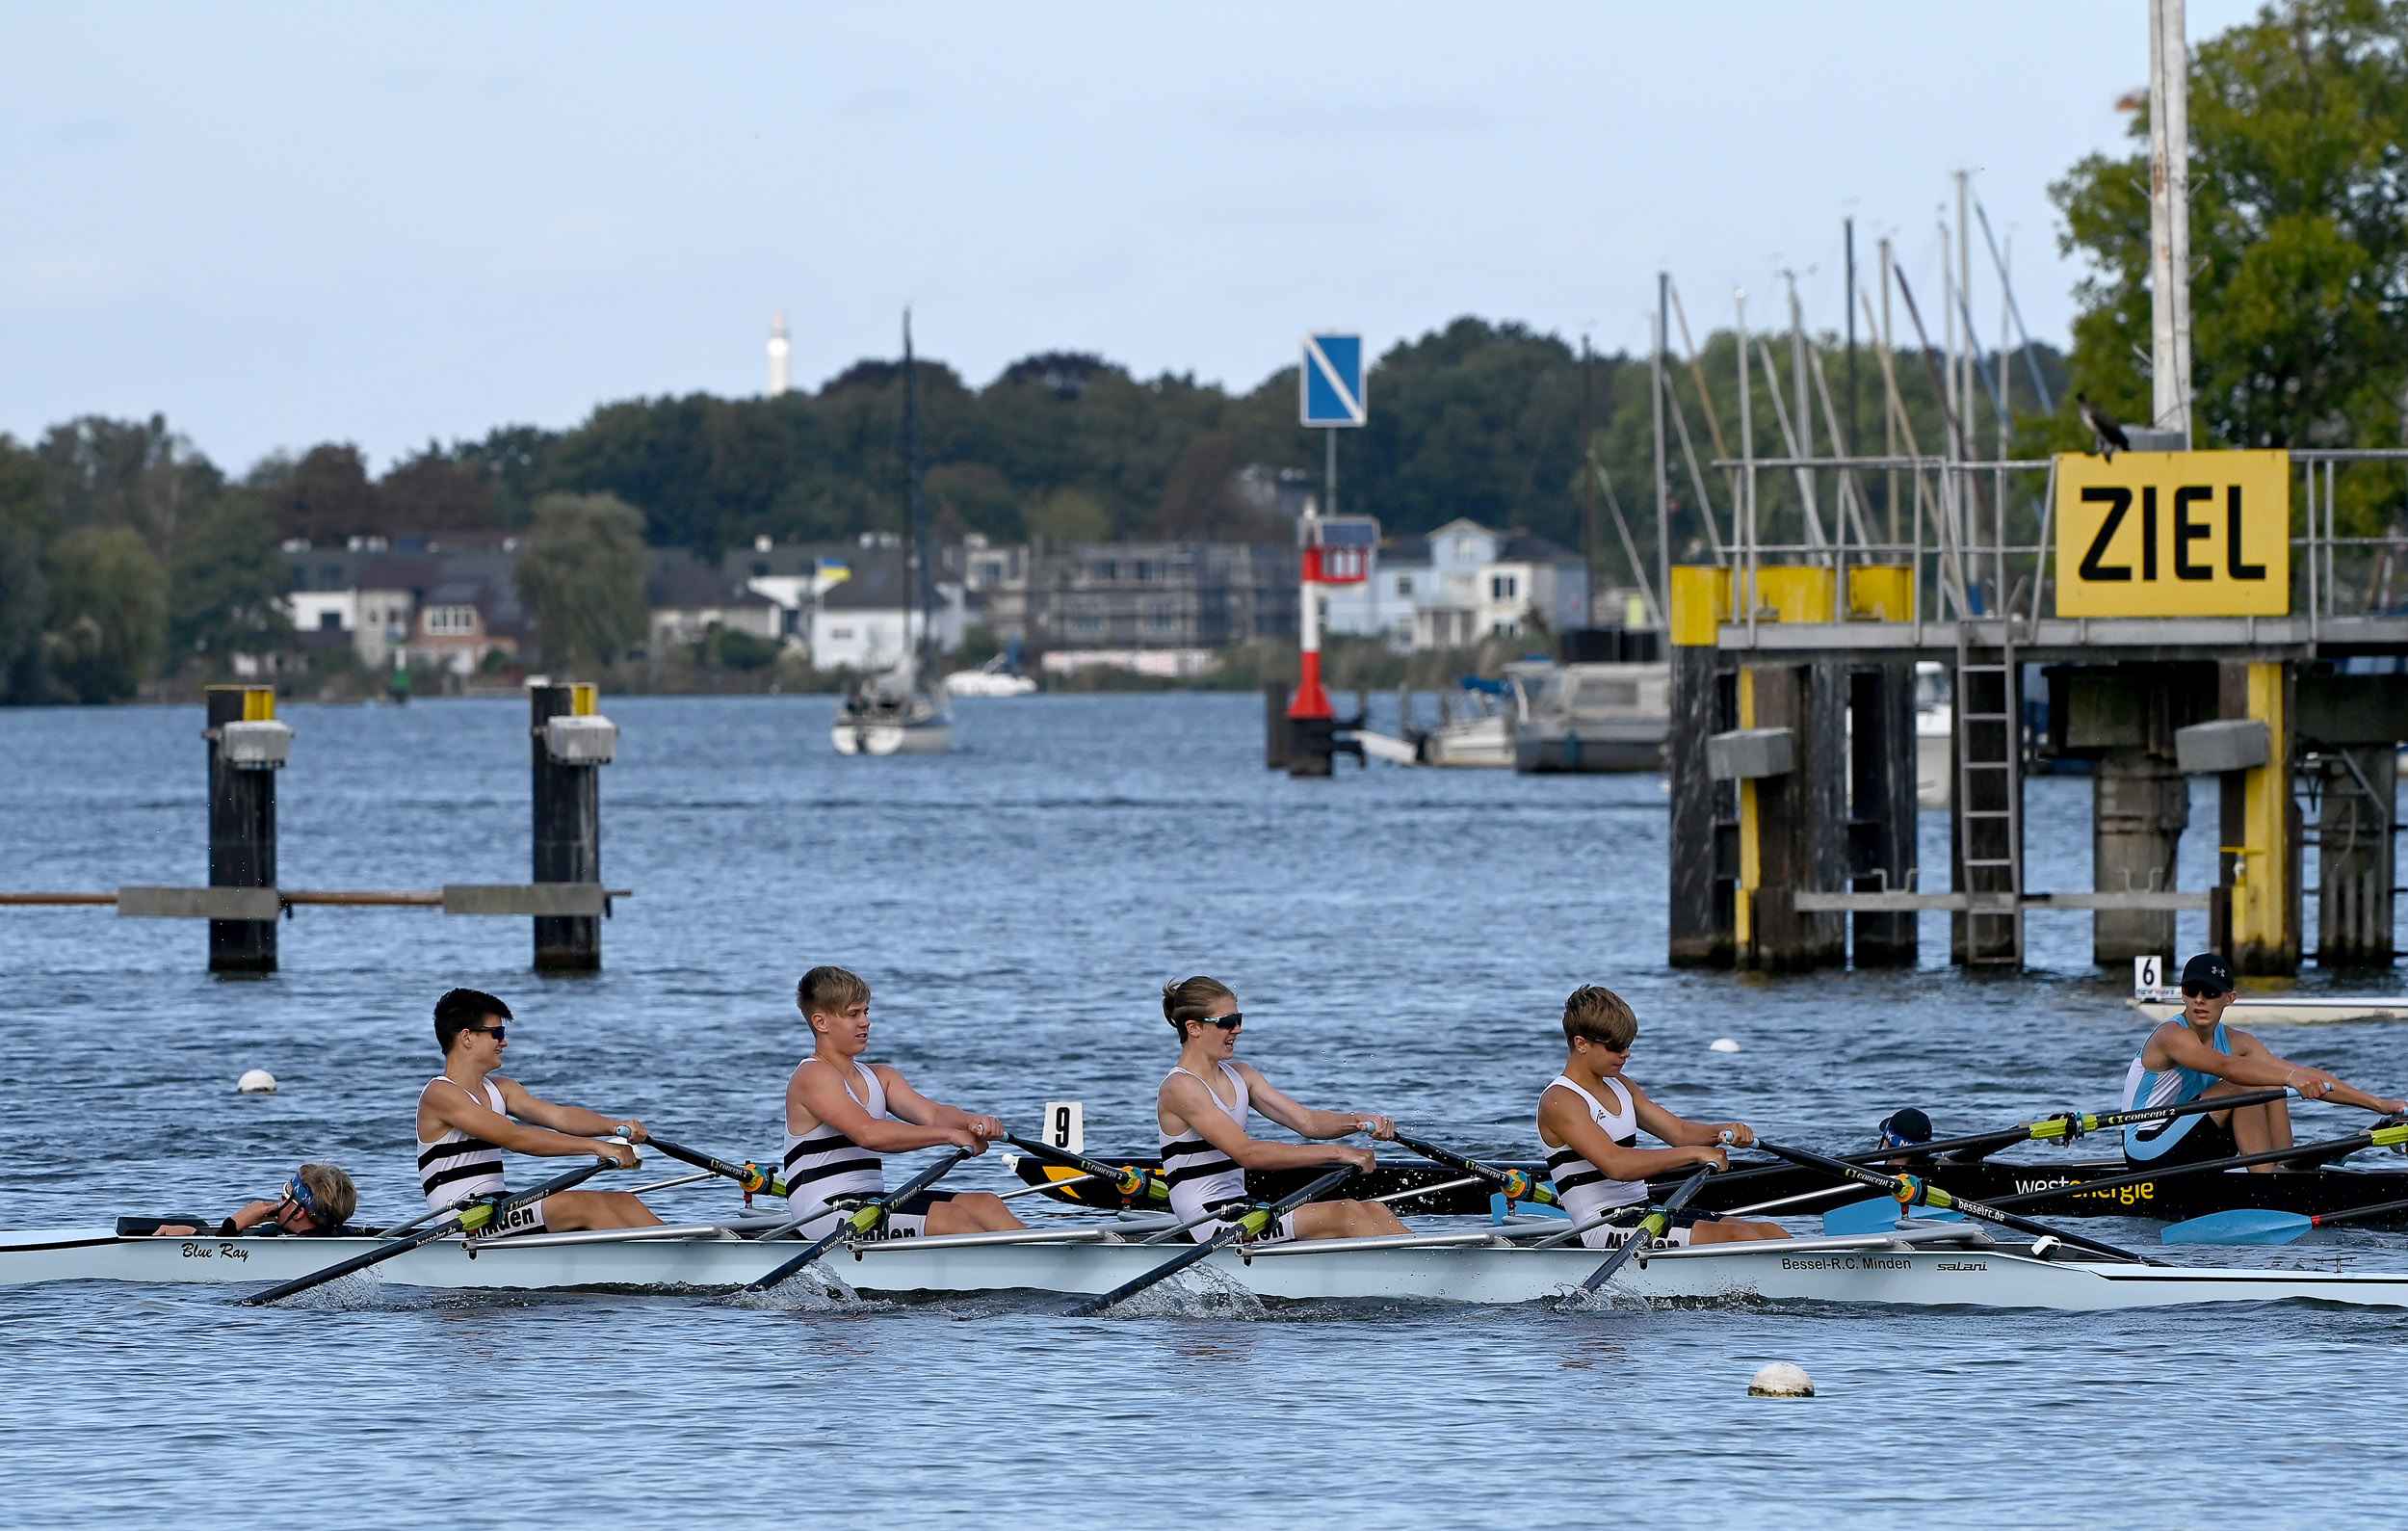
(1401, 940)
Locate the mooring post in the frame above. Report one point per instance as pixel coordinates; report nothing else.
(1275, 724)
(1883, 814)
(1705, 809)
(2259, 848)
(246, 746)
(570, 742)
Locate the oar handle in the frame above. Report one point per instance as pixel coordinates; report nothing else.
(753, 1177)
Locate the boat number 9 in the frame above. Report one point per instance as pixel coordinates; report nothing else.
(1065, 1125)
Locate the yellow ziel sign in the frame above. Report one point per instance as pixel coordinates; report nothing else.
(2173, 534)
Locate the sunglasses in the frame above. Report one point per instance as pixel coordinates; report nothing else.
(497, 1033)
(2201, 991)
(1229, 1022)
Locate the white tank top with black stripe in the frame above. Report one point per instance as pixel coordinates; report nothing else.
(1201, 1176)
(1584, 1188)
(822, 1163)
(456, 1165)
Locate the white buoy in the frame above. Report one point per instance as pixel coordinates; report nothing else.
(256, 1082)
(1722, 1045)
(1780, 1379)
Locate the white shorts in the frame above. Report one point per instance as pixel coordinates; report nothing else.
(908, 1220)
(1613, 1235)
(528, 1218)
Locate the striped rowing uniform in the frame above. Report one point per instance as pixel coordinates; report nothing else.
(1201, 1177)
(823, 1166)
(2173, 1087)
(455, 1165)
(1588, 1192)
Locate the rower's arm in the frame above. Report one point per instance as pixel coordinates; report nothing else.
(1563, 1117)
(1304, 1120)
(455, 1108)
(819, 1094)
(1679, 1130)
(575, 1119)
(2312, 1083)
(903, 1101)
(1185, 1098)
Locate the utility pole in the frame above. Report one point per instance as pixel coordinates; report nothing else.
(1589, 491)
(2169, 219)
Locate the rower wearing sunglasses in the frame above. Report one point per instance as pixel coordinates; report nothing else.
(2198, 1056)
(319, 1199)
(1201, 1109)
(1589, 1119)
(468, 1113)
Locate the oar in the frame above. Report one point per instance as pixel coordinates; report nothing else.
(2064, 1126)
(751, 1176)
(1245, 1225)
(476, 1215)
(2264, 1225)
(2329, 1149)
(1516, 1184)
(1650, 1228)
(1914, 1190)
(1131, 1183)
(869, 1215)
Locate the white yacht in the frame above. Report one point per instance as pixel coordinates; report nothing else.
(893, 714)
(1595, 718)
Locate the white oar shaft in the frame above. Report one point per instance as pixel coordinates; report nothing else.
(664, 1186)
(1050, 1185)
(1427, 1190)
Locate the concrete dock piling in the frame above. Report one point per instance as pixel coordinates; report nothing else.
(570, 742)
(247, 748)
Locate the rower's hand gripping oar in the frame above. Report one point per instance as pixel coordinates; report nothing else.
(1650, 1228)
(863, 1218)
(1132, 1184)
(1516, 1184)
(1914, 1190)
(1248, 1224)
(475, 1215)
(751, 1176)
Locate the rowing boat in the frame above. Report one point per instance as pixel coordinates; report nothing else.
(2308, 1192)
(1919, 1264)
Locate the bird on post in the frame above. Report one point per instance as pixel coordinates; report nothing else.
(2105, 429)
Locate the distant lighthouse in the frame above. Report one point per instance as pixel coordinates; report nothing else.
(779, 349)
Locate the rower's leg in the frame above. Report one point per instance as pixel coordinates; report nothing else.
(566, 1211)
(1346, 1220)
(2255, 1130)
(1734, 1230)
(972, 1212)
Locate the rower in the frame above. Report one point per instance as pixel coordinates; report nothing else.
(2198, 1056)
(317, 1200)
(1590, 1118)
(1201, 1108)
(468, 1113)
(843, 1114)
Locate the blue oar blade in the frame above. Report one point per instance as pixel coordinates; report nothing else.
(2240, 1225)
(1880, 1214)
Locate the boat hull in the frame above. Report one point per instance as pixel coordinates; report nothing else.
(2315, 1010)
(1869, 1269)
(892, 738)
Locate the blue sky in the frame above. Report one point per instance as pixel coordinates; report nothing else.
(282, 224)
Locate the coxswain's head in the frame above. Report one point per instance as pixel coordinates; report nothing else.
(836, 1004)
(468, 1026)
(319, 1199)
(1599, 1028)
(1204, 1013)
(2207, 986)
(1906, 1127)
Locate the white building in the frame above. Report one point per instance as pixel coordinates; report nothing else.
(1460, 583)
(858, 624)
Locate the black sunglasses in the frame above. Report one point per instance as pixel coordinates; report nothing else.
(2201, 991)
(497, 1033)
(1228, 1022)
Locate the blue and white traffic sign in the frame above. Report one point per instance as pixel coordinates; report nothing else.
(1330, 383)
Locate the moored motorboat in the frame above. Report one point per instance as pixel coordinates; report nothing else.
(1921, 1264)
(1596, 718)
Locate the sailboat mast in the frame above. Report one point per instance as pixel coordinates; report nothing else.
(916, 594)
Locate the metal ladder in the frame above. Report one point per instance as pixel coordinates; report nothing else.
(1990, 796)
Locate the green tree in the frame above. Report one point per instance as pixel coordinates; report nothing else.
(2298, 230)
(580, 574)
(1069, 515)
(136, 474)
(225, 592)
(108, 611)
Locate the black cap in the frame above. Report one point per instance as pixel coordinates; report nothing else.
(2209, 969)
(1905, 1128)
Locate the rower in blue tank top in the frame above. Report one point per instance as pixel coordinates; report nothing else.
(2197, 1056)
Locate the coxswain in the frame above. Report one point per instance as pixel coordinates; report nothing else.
(843, 1115)
(468, 1113)
(2197, 1056)
(1590, 1118)
(317, 1200)
(1201, 1108)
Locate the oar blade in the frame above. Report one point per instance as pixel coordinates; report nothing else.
(2240, 1225)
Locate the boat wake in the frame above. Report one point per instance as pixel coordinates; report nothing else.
(1606, 1299)
(806, 1292)
(1196, 1292)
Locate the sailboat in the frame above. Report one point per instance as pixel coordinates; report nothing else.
(899, 712)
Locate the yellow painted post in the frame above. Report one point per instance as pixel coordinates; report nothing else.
(2261, 896)
(1752, 846)
(259, 704)
(1883, 592)
(585, 699)
(1701, 601)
